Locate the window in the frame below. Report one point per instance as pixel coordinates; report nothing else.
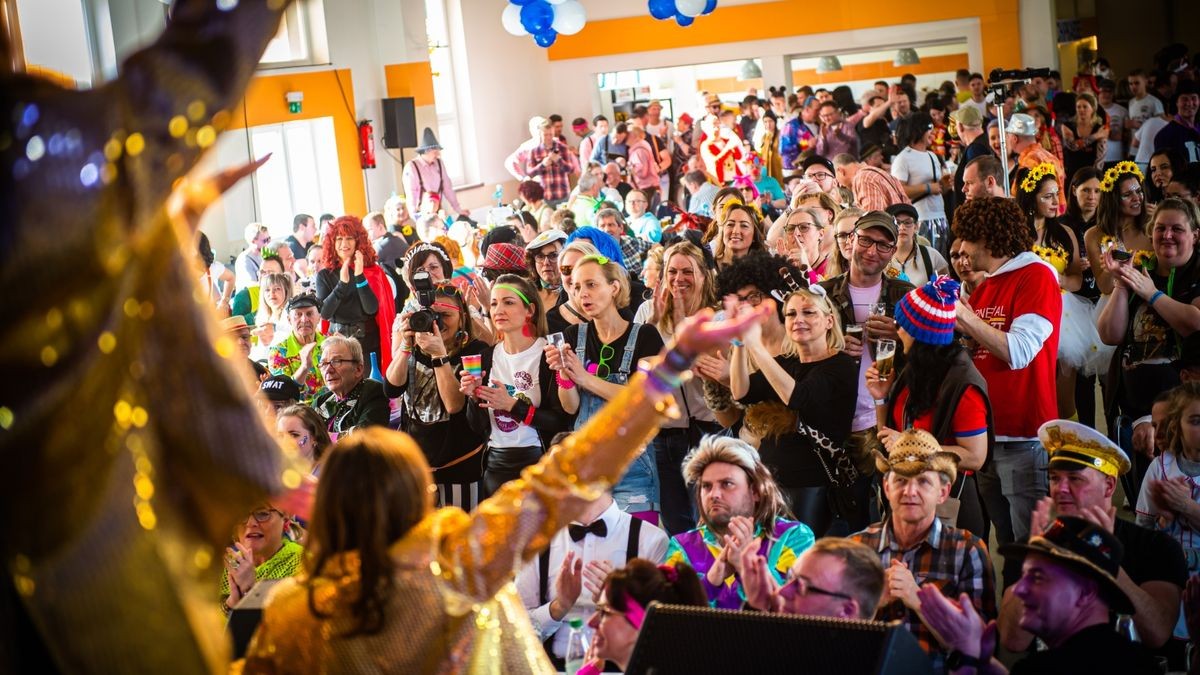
(301, 37)
(302, 177)
(444, 95)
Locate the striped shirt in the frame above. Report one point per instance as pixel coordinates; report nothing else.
(954, 560)
(875, 189)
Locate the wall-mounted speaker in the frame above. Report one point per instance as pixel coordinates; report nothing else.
(399, 123)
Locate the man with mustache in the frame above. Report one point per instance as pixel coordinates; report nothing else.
(741, 510)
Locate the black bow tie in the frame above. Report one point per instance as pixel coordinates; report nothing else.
(578, 532)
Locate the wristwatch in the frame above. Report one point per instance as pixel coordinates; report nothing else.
(439, 362)
(957, 660)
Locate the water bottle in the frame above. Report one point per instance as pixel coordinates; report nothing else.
(577, 646)
(375, 372)
(498, 195)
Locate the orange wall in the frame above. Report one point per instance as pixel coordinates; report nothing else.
(998, 26)
(857, 72)
(265, 103)
(410, 79)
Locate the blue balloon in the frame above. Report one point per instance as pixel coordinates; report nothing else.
(662, 9)
(684, 21)
(521, 3)
(545, 38)
(537, 16)
(709, 7)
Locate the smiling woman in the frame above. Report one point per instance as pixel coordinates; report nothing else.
(260, 552)
(740, 233)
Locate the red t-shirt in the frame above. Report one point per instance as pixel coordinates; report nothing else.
(1022, 399)
(970, 417)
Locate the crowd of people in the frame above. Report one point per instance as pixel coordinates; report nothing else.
(911, 344)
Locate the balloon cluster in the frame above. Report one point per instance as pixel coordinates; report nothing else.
(683, 11)
(545, 19)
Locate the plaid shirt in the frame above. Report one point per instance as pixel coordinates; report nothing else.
(875, 189)
(556, 178)
(633, 253)
(954, 560)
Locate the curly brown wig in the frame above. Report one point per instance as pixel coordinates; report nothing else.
(997, 222)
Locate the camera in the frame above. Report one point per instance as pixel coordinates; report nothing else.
(423, 320)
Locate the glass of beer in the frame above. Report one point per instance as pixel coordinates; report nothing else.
(885, 358)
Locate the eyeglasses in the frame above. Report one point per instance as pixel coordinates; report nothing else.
(801, 586)
(604, 610)
(325, 365)
(866, 243)
(263, 515)
(804, 228)
(907, 221)
(546, 257)
(1126, 196)
(753, 298)
(819, 175)
(843, 236)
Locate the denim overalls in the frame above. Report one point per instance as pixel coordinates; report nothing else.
(638, 488)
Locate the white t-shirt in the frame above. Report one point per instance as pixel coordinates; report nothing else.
(861, 300)
(213, 278)
(914, 167)
(1145, 108)
(1114, 151)
(518, 374)
(914, 270)
(1145, 139)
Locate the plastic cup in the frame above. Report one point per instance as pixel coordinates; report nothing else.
(473, 364)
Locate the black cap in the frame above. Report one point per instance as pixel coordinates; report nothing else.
(280, 388)
(304, 300)
(816, 159)
(908, 209)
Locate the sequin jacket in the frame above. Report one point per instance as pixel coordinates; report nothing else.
(453, 607)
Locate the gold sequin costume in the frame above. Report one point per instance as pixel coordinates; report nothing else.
(128, 438)
(453, 607)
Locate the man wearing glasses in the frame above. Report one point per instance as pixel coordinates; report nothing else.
(820, 170)
(350, 400)
(916, 548)
(838, 578)
(865, 299)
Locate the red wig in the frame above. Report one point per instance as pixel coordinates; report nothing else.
(346, 226)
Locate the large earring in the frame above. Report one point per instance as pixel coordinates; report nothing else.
(527, 329)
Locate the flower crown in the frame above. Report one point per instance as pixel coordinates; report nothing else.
(1036, 174)
(1122, 168)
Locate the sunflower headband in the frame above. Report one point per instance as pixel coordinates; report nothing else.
(1122, 168)
(1036, 174)
(738, 201)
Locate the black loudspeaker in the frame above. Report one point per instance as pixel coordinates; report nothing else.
(754, 642)
(399, 123)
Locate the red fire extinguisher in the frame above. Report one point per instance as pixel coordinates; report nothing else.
(366, 144)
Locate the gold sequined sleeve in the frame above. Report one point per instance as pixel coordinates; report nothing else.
(479, 554)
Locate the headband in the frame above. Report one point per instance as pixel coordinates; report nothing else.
(595, 257)
(1036, 174)
(514, 289)
(426, 246)
(1122, 168)
(634, 612)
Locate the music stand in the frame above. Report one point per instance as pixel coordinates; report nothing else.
(688, 640)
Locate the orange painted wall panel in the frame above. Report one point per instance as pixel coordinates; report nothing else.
(265, 103)
(410, 79)
(998, 22)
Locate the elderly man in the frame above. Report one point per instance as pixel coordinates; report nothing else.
(633, 249)
(297, 355)
(615, 188)
(587, 201)
(546, 160)
(741, 508)
(350, 400)
(874, 189)
(238, 330)
(249, 261)
(917, 550)
(282, 251)
(1068, 592)
(1013, 320)
(426, 180)
(854, 294)
(1022, 141)
(838, 578)
(983, 177)
(1084, 469)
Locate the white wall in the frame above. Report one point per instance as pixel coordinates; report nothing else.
(54, 36)
(1039, 34)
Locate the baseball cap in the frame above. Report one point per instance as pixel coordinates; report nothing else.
(907, 209)
(816, 159)
(880, 220)
(968, 116)
(545, 239)
(280, 388)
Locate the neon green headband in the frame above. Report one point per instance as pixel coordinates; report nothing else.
(516, 290)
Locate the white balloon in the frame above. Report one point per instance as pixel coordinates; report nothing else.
(556, 2)
(690, 7)
(511, 19)
(569, 17)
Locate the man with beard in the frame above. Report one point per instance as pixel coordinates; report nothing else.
(298, 355)
(741, 509)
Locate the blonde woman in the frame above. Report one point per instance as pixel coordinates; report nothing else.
(813, 385)
(599, 358)
(271, 321)
(741, 233)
